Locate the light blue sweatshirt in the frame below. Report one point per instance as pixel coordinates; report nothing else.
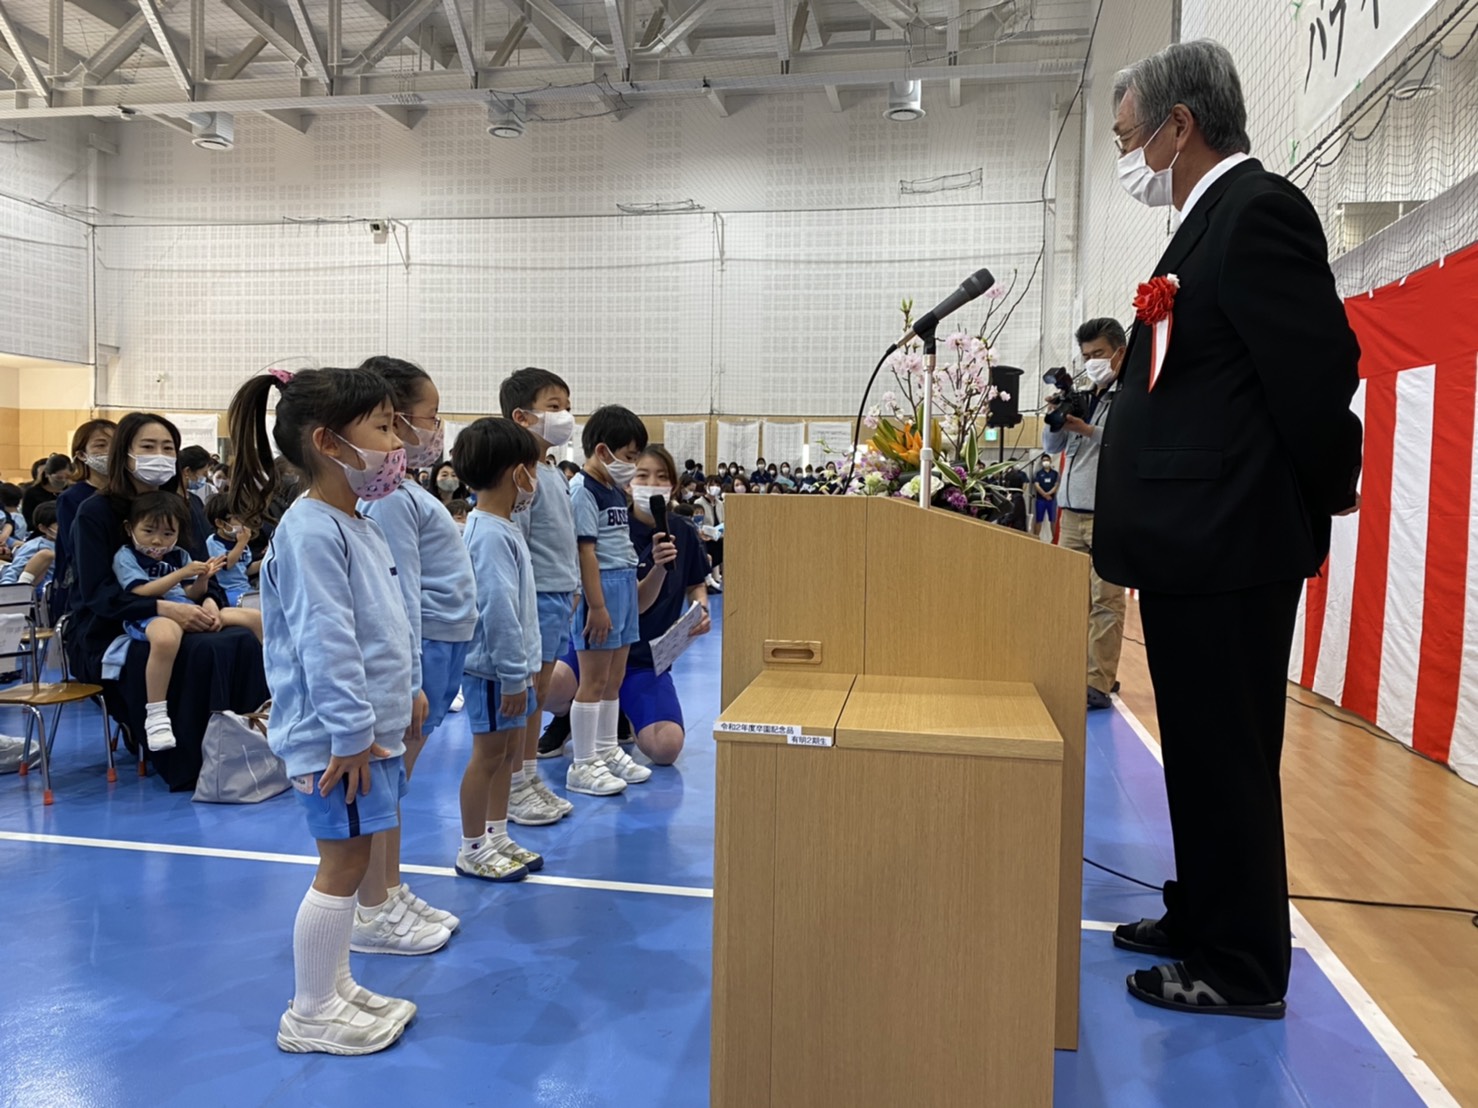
(233, 580)
(341, 662)
(549, 527)
(506, 647)
(435, 572)
(10, 574)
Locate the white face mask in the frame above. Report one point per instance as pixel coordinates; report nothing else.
(642, 494)
(619, 472)
(555, 428)
(1148, 186)
(523, 497)
(98, 463)
(153, 469)
(1100, 370)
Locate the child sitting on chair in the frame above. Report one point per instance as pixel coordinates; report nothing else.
(153, 564)
(32, 560)
(228, 544)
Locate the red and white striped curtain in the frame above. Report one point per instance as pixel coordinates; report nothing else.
(1390, 629)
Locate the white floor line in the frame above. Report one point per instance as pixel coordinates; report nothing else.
(1382, 1030)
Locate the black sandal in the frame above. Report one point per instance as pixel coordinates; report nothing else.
(1145, 937)
(1172, 987)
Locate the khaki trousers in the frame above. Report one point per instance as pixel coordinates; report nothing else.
(1106, 610)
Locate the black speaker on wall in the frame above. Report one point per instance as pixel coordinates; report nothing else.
(1002, 412)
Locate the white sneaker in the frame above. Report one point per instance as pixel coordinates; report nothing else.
(624, 766)
(382, 1007)
(593, 779)
(350, 1030)
(714, 584)
(527, 807)
(459, 703)
(159, 734)
(424, 910)
(550, 797)
(396, 929)
(490, 864)
(527, 858)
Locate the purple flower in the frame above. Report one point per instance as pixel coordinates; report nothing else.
(957, 500)
(960, 470)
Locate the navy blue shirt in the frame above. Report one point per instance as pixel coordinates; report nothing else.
(690, 569)
(1047, 479)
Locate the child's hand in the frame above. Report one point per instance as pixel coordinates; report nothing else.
(420, 709)
(354, 771)
(664, 550)
(197, 569)
(514, 705)
(597, 626)
(215, 565)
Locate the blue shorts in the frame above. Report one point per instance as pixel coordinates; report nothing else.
(484, 701)
(338, 816)
(138, 628)
(646, 696)
(441, 677)
(1046, 509)
(233, 597)
(619, 587)
(555, 609)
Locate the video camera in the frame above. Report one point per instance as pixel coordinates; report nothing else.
(1066, 401)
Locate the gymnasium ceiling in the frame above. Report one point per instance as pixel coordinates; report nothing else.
(292, 60)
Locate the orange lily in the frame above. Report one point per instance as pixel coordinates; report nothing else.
(909, 445)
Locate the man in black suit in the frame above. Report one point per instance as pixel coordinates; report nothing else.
(1232, 445)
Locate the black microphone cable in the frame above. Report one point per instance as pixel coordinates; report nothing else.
(861, 409)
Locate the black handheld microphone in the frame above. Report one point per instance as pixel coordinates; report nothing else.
(658, 508)
(971, 287)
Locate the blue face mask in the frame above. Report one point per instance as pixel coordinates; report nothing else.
(198, 484)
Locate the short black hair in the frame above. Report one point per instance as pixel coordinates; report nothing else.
(404, 378)
(569, 469)
(45, 514)
(522, 389)
(615, 428)
(488, 449)
(194, 457)
(458, 506)
(11, 495)
(1105, 327)
(153, 506)
(217, 508)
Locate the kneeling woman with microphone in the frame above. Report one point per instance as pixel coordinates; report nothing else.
(667, 584)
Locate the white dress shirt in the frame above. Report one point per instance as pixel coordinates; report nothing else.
(1214, 174)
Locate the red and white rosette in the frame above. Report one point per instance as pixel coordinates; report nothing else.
(1154, 306)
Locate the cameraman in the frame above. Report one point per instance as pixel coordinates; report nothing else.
(1102, 344)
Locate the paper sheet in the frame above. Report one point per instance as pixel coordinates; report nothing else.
(677, 638)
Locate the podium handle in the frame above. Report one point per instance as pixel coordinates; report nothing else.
(792, 652)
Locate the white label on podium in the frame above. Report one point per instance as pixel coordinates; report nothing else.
(809, 740)
(788, 730)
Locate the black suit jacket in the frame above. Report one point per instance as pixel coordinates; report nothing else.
(1226, 474)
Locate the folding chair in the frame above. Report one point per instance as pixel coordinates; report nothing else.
(19, 606)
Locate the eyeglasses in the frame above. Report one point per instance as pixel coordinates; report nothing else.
(1119, 139)
(432, 422)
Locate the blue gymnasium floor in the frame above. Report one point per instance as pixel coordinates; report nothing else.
(155, 974)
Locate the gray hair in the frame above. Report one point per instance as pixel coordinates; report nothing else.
(1202, 76)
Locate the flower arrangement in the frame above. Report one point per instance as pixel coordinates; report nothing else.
(889, 463)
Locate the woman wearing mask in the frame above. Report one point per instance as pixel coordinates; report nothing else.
(215, 670)
(446, 486)
(55, 477)
(194, 466)
(708, 518)
(91, 443)
(785, 478)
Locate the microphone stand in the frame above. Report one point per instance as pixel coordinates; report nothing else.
(926, 429)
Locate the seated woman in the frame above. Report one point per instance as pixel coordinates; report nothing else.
(649, 699)
(216, 669)
(90, 445)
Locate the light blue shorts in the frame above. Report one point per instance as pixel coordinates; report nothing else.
(138, 629)
(619, 586)
(339, 816)
(484, 701)
(555, 609)
(441, 677)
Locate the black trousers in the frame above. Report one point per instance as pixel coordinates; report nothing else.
(1220, 666)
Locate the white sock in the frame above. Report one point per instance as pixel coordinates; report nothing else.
(368, 912)
(321, 935)
(605, 735)
(531, 771)
(498, 833)
(520, 778)
(584, 726)
(26, 578)
(471, 846)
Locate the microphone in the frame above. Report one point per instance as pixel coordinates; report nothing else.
(658, 508)
(971, 287)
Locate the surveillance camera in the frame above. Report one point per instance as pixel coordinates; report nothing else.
(380, 229)
(377, 226)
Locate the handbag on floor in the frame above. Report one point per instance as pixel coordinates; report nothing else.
(237, 765)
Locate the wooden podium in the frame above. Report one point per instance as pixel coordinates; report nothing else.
(898, 863)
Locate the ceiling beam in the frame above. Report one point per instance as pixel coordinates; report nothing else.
(618, 34)
(678, 31)
(22, 54)
(386, 10)
(117, 50)
(510, 42)
(297, 122)
(834, 97)
(260, 20)
(406, 117)
(470, 60)
(782, 33)
(231, 69)
(571, 28)
(197, 38)
(884, 13)
(716, 98)
(310, 44)
(952, 46)
(335, 46)
(166, 45)
(545, 33)
(654, 26)
(57, 38)
(398, 28)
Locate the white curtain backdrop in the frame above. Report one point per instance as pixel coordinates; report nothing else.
(738, 441)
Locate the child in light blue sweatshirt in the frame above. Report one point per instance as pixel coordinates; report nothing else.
(342, 663)
(33, 558)
(497, 458)
(435, 579)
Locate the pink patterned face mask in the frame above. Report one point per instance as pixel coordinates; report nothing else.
(382, 474)
(427, 451)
